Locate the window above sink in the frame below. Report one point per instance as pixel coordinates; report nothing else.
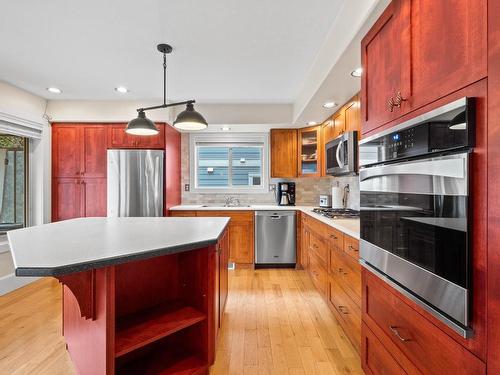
(229, 163)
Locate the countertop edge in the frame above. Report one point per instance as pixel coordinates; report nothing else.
(85, 266)
(303, 209)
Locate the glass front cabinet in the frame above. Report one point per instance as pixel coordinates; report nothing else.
(309, 158)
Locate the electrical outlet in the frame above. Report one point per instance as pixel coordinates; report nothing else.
(272, 187)
(186, 187)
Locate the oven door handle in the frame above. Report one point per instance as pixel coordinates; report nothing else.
(445, 166)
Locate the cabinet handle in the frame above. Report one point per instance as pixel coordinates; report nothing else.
(391, 104)
(395, 331)
(341, 309)
(350, 247)
(333, 236)
(399, 100)
(340, 270)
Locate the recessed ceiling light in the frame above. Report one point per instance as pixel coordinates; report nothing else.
(121, 89)
(225, 128)
(329, 105)
(312, 123)
(357, 72)
(54, 90)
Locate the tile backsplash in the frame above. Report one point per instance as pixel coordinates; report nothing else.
(307, 190)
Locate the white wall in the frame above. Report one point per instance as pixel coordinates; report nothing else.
(101, 111)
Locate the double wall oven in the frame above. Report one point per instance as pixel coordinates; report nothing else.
(415, 211)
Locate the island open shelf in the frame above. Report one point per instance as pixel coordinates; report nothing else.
(159, 297)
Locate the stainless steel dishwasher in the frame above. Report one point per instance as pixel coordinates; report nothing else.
(275, 239)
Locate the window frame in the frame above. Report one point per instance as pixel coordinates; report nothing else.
(26, 155)
(228, 140)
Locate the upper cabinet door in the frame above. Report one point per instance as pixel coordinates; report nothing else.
(94, 151)
(66, 151)
(309, 153)
(117, 138)
(352, 118)
(385, 55)
(283, 153)
(153, 142)
(449, 47)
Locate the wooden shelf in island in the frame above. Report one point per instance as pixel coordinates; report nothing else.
(146, 326)
(165, 361)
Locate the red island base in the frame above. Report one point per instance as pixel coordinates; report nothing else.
(154, 316)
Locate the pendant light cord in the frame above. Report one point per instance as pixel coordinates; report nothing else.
(164, 78)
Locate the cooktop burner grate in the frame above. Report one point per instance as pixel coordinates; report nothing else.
(337, 213)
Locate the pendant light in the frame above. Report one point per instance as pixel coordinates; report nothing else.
(188, 119)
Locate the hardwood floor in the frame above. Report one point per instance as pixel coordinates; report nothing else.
(275, 323)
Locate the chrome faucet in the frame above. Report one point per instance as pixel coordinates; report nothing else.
(231, 202)
(345, 196)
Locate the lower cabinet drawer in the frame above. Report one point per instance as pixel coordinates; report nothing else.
(319, 248)
(347, 272)
(350, 313)
(425, 345)
(318, 275)
(376, 359)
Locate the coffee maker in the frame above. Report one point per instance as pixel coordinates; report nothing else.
(285, 194)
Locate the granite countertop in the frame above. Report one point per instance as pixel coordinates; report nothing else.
(80, 244)
(348, 226)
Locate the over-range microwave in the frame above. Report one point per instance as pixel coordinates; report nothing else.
(415, 210)
(341, 155)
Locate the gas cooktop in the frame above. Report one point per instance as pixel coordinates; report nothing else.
(337, 213)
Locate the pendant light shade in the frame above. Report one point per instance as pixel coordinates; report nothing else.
(189, 119)
(141, 126)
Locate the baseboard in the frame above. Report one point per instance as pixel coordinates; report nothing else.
(12, 282)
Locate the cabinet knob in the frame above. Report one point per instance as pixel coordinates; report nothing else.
(343, 309)
(390, 104)
(333, 236)
(396, 333)
(350, 247)
(399, 100)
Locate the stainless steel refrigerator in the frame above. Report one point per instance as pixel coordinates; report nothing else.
(135, 183)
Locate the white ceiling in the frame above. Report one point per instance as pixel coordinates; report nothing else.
(225, 51)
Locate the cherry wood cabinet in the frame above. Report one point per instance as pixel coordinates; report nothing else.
(66, 151)
(493, 192)
(309, 151)
(333, 265)
(283, 153)
(385, 57)
(416, 53)
(93, 197)
(447, 53)
(78, 171)
(66, 198)
(376, 359)
(411, 337)
(241, 232)
(118, 138)
(78, 150)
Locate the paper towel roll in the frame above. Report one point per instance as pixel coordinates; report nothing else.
(337, 193)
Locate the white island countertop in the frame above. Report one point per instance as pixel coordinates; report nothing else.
(80, 244)
(348, 226)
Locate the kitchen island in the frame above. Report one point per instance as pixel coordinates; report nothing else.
(140, 295)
